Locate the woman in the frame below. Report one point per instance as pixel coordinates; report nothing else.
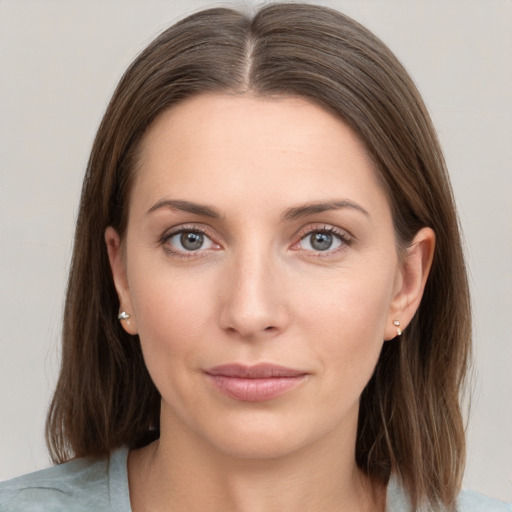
(267, 306)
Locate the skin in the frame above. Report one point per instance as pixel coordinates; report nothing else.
(259, 290)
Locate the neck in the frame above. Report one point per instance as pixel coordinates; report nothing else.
(183, 473)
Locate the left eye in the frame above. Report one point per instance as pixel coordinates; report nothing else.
(320, 241)
(189, 241)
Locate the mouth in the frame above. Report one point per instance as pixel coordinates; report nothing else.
(254, 383)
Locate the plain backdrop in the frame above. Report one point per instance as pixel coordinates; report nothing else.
(59, 63)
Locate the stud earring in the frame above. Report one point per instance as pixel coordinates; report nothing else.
(396, 323)
(123, 316)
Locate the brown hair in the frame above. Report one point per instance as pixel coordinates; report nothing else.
(410, 420)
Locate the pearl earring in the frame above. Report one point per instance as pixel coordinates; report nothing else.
(123, 316)
(396, 323)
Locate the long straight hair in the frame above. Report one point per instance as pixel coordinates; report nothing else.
(410, 421)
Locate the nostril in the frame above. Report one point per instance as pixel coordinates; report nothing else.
(269, 328)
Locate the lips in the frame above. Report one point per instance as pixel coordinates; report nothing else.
(254, 383)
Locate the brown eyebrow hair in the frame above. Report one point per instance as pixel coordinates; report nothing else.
(312, 208)
(186, 206)
(291, 214)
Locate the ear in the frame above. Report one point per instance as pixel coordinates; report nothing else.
(118, 267)
(412, 275)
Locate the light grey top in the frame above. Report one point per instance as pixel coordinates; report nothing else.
(102, 486)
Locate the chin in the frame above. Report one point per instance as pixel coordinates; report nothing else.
(265, 436)
(259, 446)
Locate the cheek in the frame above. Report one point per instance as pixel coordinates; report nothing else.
(173, 330)
(349, 315)
(350, 302)
(172, 315)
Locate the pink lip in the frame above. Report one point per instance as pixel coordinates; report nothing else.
(254, 383)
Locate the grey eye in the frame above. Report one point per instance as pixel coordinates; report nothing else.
(191, 241)
(321, 241)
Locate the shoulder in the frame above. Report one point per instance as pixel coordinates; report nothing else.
(467, 501)
(470, 501)
(76, 486)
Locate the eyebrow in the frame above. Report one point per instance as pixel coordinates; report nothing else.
(290, 214)
(186, 206)
(312, 208)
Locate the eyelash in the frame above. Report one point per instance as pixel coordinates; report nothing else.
(344, 238)
(168, 248)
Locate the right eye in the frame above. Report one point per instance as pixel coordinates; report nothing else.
(187, 240)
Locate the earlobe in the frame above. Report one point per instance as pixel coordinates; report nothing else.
(414, 270)
(117, 265)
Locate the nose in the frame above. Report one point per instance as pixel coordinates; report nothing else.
(253, 298)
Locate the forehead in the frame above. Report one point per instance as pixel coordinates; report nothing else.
(287, 147)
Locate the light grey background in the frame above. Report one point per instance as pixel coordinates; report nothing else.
(59, 63)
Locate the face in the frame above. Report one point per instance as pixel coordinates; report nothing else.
(260, 271)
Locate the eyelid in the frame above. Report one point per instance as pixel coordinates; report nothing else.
(190, 228)
(345, 237)
(322, 226)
